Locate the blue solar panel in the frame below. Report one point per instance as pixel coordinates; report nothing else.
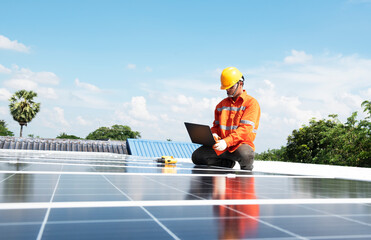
(151, 148)
(68, 195)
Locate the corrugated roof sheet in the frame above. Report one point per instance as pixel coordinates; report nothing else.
(152, 148)
(53, 144)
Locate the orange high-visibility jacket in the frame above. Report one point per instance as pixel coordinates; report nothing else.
(237, 122)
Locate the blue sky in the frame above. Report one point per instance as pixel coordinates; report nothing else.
(154, 64)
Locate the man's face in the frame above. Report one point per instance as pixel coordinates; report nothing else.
(231, 92)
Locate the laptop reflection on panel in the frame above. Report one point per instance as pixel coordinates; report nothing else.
(200, 134)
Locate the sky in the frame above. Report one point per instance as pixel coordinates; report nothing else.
(153, 65)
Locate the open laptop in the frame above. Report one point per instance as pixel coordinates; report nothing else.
(200, 134)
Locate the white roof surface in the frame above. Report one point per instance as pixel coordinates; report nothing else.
(328, 171)
(355, 173)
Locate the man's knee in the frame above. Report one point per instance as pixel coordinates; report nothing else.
(246, 157)
(197, 157)
(200, 156)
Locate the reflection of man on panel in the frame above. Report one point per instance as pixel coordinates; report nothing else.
(235, 222)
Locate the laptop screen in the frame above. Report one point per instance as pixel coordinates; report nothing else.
(200, 134)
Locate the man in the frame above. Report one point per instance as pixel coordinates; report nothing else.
(235, 125)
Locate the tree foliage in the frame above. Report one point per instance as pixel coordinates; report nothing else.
(271, 155)
(66, 136)
(328, 141)
(4, 130)
(23, 108)
(116, 132)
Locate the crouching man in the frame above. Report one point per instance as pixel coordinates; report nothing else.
(235, 126)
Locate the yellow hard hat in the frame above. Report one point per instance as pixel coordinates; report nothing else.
(230, 76)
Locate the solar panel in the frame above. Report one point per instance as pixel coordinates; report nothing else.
(82, 195)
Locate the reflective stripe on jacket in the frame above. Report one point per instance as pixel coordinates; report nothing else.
(237, 122)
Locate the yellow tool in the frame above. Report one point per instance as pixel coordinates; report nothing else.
(167, 160)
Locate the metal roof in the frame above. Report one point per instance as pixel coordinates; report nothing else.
(53, 144)
(152, 148)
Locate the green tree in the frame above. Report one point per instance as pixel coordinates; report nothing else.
(66, 136)
(367, 105)
(116, 132)
(271, 155)
(329, 142)
(4, 130)
(305, 144)
(351, 142)
(23, 108)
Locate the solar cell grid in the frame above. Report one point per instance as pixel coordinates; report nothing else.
(55, 195)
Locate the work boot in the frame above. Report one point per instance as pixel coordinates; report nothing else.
(247, 167)
(227, 163)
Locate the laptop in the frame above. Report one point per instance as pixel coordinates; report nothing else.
(200, 134)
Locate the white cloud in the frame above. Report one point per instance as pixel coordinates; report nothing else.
(84, 99)
(56, 118)
(86, 86)
(51, 121)
(4, 94)
(325, 79)
(81, 121)
(21, 84)
(136, 115)
(4, 69)
(297, 57)
(48, 93)
(163, 116)
(47, 78)
(365, 94)
(148, 69)
(137, 109)
(44, 92)
(60, 116)
(191, 106)
(6, 43)
(290, 95)
(23, 78)
(286, 110)
(131, 66)
(269, 84)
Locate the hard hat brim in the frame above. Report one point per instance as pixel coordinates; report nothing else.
(228, 87)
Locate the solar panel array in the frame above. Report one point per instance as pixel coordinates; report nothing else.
(67, 195)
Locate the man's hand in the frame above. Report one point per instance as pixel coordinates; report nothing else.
(221, 145)
(216, 137)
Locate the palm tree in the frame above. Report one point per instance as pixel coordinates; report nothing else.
(23, 108)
